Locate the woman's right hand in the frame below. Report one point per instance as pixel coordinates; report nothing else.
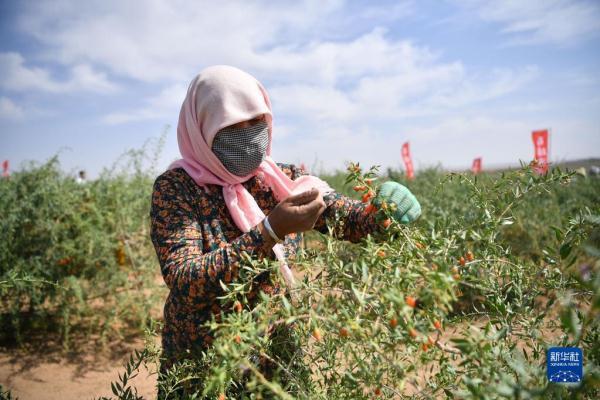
(297, 213)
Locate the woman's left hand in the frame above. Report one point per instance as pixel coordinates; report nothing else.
(408, 208)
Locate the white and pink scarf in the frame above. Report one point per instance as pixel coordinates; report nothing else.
(220, 96)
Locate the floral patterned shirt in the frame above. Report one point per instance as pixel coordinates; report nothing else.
(198, 245)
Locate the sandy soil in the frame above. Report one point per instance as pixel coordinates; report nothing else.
(46, 372)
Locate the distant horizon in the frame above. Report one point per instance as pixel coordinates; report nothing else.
(419, 167)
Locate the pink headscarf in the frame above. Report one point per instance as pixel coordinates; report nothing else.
(220, 96)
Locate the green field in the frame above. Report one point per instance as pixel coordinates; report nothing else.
(502, 265)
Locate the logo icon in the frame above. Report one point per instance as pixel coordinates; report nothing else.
(564, 364)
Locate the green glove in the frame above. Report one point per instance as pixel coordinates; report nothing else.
(408, 208)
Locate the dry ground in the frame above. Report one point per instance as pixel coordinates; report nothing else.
(45, 371)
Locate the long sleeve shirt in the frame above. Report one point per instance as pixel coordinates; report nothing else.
(198, 245)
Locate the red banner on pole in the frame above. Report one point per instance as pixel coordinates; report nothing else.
(540, 145)
(410, 172)
(5, 168)
(476, 167)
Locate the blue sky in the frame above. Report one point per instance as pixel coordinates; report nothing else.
(349, 80)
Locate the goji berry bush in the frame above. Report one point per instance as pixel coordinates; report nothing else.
(76, 258)
(461, 304)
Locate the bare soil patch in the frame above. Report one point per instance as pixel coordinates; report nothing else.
(43, 370)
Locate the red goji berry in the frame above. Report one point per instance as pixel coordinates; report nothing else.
(317, 334)
(411, 301)
(470, 256)
(237, 306)
(371, 208)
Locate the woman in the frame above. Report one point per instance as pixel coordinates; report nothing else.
(227, 196)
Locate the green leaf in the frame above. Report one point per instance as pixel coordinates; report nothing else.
(357, 295)
(565, 250)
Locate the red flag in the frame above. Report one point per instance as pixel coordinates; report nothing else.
(540, 145)
(410, 172)
(476, 167)
(5, 168)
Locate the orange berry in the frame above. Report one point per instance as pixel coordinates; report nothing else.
(456, 277)
(419, 245)
(344, 332)
(470, 256)
(237, 306)
(317, 334)
(387, 223)
(425, 347)
(462, 261)
(437, 324)
(412, 332)
(381, 253)
(368, 181)
(377, 392)
(237, 339)
(367, 196)
(64, 261)
(393, 322)
(411, 301)
(371, 208)
(434, 267)
(222, 396)
(359, 188)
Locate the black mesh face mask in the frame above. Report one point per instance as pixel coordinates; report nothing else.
(241, 150)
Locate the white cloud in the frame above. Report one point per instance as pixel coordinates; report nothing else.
(456, 140)
(563, 22)
(424, 89)
(165, 105)
(85, 78)
(16, 76)
(9, 110)
(368, 75)
(162, 40)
